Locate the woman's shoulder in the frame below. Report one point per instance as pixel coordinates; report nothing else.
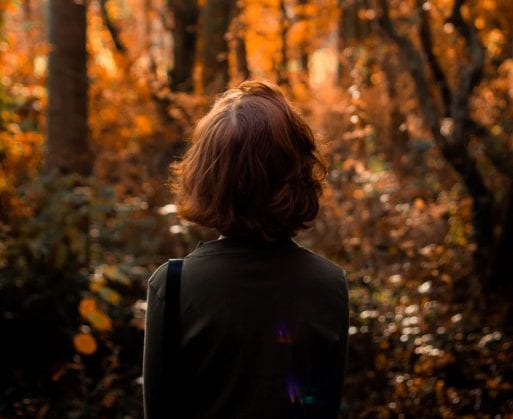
(332, 275)
(157, 280)
(328, 264)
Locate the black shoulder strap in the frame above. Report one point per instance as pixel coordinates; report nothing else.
(172, 307)
(171, 364)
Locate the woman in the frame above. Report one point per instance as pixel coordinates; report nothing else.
(263, 321)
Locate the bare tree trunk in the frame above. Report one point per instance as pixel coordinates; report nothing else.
(397, 133)
(185, 36)
(304, 52)
(349, 19)
(351, 28)
(283, 71)
(241, 55)
(341, 45)
(67, 141)
(500, 279)
(215, 21)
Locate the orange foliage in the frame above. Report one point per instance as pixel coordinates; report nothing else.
(394, 214)
(85, 343)
(87, 306)
(100, 321)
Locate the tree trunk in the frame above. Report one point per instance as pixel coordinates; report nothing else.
(348, 20)
(351, 28)
(346, 33)
(283, 71)
(241, 55)
(303, 46)
(67, 141)
(397, 133)
(451, 126)
(215, 21)
(500, 280)
(185, 14)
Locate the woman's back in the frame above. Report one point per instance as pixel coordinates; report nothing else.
(264, 332)
(263, 320)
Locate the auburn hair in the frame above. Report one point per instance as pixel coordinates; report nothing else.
(253, 169)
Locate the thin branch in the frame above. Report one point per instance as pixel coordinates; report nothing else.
(414, 63)
(113, 29)
(427, 45)
(472, 73)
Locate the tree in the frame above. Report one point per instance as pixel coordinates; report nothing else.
(214, 53)
(239, 39)
(352, 29)
(447, 113)
(283, 71)
(397, 134)
(185, 13)
(304, 47)
(67, 139)
(112, 28)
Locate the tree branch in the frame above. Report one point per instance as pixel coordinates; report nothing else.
(414, 63)
(436, 69)
(472, 73)
(494, 148)
(452, 143)
(113, 29)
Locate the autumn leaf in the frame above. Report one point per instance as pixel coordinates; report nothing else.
(109, 295)
(100, 321)
(143, 124)
(115, 274)
(87, 306)
(85, 343)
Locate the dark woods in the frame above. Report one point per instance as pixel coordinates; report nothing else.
(413, 101)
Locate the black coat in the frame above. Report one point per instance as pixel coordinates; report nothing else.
(263, 334)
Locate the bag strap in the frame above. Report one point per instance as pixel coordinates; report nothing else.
(172, 327)
(172, 307)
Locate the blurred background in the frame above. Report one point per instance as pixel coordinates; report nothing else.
(412, 101)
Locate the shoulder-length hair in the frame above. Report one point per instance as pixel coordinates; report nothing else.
(253, 168)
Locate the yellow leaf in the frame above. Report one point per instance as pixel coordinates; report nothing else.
(115, 274)
(100, 321)
(109, 295)
(96, 285)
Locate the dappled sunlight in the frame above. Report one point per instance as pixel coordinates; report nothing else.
(412, 106)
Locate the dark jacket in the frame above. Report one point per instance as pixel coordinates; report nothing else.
(263, 333)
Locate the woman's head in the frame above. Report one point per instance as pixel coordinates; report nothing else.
(253, 167)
